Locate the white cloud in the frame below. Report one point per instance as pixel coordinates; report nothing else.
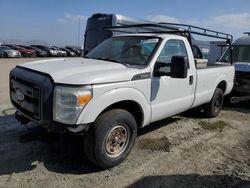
(227, 20)
(163, 18)
(68, 17)
(224, 21)
(240, 21)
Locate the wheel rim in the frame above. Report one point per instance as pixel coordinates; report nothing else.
(117, 140)
(218, 104)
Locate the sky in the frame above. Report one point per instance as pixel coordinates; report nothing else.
(56, 22)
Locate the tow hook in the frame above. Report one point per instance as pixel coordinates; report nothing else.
(235, 100)
(22, 119)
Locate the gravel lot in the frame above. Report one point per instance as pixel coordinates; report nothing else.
(182, 151)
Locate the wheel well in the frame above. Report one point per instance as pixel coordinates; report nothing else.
(222, 85)
(131, 106)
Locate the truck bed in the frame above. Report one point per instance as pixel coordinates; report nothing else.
(204, 64)
(209, 77)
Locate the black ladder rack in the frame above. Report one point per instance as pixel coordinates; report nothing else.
(174, 28)
(200, 31)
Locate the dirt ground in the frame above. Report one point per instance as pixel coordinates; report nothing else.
(182, 151)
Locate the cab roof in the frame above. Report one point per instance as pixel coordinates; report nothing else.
(242, 41)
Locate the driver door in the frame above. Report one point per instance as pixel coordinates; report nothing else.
(170, 96)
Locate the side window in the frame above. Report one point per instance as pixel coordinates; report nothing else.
(171, 48)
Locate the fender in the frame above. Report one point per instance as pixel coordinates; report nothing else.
(220, 79)
(206, 87)
(226, 79)
(104, 100)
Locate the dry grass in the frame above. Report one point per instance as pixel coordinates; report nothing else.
(216, 125)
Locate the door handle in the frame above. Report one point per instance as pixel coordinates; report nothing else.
(191, 80)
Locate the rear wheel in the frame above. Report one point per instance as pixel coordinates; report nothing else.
(213, 108)
(111, 138)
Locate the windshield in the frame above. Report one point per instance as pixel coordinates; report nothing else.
(5, 48)
(133, 50)
(241, 53)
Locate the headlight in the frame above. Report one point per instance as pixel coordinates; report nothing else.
(69, 102)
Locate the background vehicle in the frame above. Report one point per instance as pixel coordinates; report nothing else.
(95, 34)
(59, 51)
(50, 51)
(69, 52)
(39, 52)
(25, 52)
(8, 52)
(125, 83)
(241, 61)
(78, 51)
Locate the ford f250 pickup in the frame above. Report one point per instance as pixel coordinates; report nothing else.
(125, 83)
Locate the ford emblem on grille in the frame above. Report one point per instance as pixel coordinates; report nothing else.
(19, 95)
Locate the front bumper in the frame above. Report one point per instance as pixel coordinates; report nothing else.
(242, 84)
(32, 95)
(14, 55)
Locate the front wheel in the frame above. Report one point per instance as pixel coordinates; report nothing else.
(213, 108)
(5, 55)
(111, 138)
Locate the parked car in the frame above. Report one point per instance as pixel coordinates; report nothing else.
(51, 52)
(241, 61)
(8, 52)
(78, 51)
(39, 52)
(69, 52)
(25, 52)
(60, 52)
(125, 83)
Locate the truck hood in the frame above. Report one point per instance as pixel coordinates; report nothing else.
(242, 66)
(81, 71)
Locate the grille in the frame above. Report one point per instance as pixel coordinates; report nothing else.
(26, 97)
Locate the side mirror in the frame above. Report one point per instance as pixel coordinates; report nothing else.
(160, 69)
(179, 67)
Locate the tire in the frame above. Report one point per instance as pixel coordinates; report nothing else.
(213, 108)
(33, 55)
(5, 55)
(110, 140)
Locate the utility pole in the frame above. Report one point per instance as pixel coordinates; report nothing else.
(79, 23)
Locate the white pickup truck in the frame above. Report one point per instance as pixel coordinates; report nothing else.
(125, 83)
